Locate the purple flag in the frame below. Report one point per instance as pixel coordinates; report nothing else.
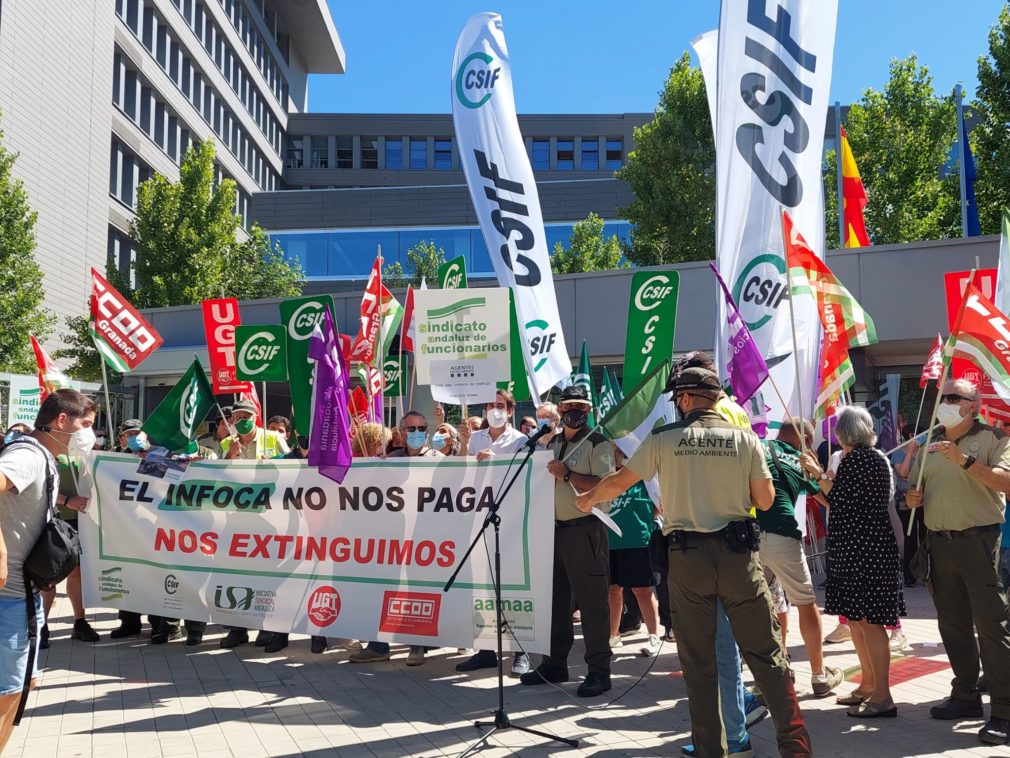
(330, 443)
(747, 367)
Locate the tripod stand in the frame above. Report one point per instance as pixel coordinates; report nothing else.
(501, 718)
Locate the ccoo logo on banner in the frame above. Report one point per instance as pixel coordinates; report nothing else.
(504, 194)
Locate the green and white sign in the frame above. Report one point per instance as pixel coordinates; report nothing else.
(518, 385)
(395, 375)
(25, 400)
(299, 317)
(452, 274)
(462, 347)
(652, 320)
(261, 353)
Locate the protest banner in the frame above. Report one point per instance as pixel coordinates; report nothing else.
(504, 193)
(274, 545)
(452, 274)
(955, 283)
(299, 317)
(24, 400)
(220, 318)
(261, 353)
(652, 321)
(462, 344)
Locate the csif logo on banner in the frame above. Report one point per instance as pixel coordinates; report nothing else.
(304, 320)
(541, 341)
(258, 352)
(475, 80)
(760, 289)
(188, 406)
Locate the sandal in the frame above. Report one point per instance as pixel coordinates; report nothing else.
(853, 698)
(868, 710)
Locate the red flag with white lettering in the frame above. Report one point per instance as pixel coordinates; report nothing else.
(122, 336)
(220, 317)
(933, 367)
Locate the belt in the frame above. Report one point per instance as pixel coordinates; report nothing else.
(951, 533)
(580, 521)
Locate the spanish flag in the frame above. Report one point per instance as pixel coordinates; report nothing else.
(853, 199)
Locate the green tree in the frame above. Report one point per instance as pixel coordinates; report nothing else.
(588, 250)
(423, 260)
(85, 362)
(672, 175)
(257, 269)
(21, 286)
(991, 139)
(901, 139)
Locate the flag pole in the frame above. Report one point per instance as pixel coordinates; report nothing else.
(922, 401)
(380, 349)
(108, 402)
(958, 93)
(838, 169)
(792, 324)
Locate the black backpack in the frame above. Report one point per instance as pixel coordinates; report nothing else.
(56, 553)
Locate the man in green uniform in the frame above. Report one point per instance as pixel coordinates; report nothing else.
(710, 474)
(966, 476)
(581, 556)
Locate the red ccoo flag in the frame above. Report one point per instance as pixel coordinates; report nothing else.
(933, 367)
(122, 336)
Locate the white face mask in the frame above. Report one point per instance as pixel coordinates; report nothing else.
(80, 443)
(497, 418)
(949, 414)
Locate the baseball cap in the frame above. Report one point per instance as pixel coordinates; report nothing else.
(240, 406)
(575, 394)
(697, 380)
(129, 425)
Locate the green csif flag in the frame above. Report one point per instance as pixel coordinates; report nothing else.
(583, 377)
(610, 394)
(299, 317)
(642, 410)
(174, 422)
(452, 274)
(518, 384)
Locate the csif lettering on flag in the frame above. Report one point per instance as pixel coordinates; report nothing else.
(220, 318)
(773, 76)
(261, 353)
(652, 322)
(174, 422)
(504, 194)
(299, 317)
(452, 274)
(121, 335)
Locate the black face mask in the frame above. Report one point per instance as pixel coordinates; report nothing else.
(575, 419)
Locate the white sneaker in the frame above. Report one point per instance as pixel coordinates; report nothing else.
(651, 647)
(615, 641)
(898, 641)
(840, 634)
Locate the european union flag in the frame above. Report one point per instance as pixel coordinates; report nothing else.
(973, 229)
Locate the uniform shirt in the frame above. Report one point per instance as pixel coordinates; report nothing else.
(732, 411)
(594, 457)
(790, 482)
(705, 466)
(632, 511)
(953, 499)
(510, 440)
(271, 443)
(23, 508)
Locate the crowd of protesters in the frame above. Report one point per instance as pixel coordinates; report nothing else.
(612, 583)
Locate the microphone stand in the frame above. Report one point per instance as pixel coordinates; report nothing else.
(501, 719)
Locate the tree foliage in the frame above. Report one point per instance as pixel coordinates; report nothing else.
(21, 289)
(588, 250)
(672, 174)
(423, 260)
(85, 362)
(991, 138)
(901, 139)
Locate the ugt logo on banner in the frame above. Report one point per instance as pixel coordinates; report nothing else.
(220, 318)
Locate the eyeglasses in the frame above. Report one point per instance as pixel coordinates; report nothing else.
(952, 398)
(416, 428)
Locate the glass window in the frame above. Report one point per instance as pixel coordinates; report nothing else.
(454, 241)
(394, 152)
(308, 249)
(615, 153)
(541, 154)
(590, 154)
(320, 153)
(418, 153)
(345, 152)
(352, 253)
(295, 159)
(566, 154)
(443, 153)
(558, 233)
(480, 260)
(369, 152)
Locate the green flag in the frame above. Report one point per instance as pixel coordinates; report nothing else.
(610, 393)
(452, 274)
(645, 408)
(299, 317)
(261, 353)
(652, 321)
(583, 377)
(518, 384)
(395, 375)
(174, 422)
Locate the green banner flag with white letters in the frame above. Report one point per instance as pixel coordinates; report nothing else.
(174, 422)
(583, 377)
(299, 317)
(518, 385)
(652, 321)
(452, 274)
(261, 353)
(395, 375)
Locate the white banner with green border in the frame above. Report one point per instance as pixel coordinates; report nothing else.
(273, 545)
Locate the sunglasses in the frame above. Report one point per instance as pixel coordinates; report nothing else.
(416, 428)
(952, 398)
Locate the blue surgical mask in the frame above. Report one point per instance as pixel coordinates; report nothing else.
(416, 440)
(11, 436)
(136, 443)
(541, 423)
(438, 441)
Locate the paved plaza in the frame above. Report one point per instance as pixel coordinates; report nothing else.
(128, 698)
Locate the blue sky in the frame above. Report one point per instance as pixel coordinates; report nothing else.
(593, 56)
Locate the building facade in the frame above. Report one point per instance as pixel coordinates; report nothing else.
(98, 99)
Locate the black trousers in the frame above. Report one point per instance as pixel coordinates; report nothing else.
(582, 571)
(912, 542)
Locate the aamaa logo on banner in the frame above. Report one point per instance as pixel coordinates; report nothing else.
(261, 353)
(652, 322)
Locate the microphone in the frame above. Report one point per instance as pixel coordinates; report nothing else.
(543, 431)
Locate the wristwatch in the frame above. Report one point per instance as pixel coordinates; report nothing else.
(568, 476)
(969, 461)
(824, 476)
